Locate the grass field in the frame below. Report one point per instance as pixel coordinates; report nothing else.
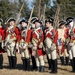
(62, 70)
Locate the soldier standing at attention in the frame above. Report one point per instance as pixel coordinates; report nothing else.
(48, 39)
(71, 46)
(62, 47)
(37, 42)
(12, 36)
(25, 39)
(32, 57)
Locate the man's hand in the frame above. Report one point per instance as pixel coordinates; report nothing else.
(41, 45)
(53, 47)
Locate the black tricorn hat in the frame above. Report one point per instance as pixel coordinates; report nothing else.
(51, 20)
(23, 20)
(33, 19)
(37, 20)
(11, 19)
(62, 23)
(68, 20)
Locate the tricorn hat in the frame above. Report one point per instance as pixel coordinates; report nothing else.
(11, 19)
(62, 23)
(51, 20)
(38, 20)
(23, 20)
(33, 19)
(68, 20)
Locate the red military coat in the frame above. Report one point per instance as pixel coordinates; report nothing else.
(48, 33)
(28, 36)
(72, 36)
(2, 35)
(35, 35)
(16, 31)
(63, 42)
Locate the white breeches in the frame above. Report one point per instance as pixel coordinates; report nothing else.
(72, 52)
(11, 51)
(39, 61)
(51, 54)
(24, 53)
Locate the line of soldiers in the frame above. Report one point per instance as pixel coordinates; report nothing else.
(38, 41)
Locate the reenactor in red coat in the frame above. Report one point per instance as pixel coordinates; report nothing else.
(61, 36)
(25, 39)
(12, 36)
(71, 46)
(48, 32)
(1, 43)
(37, 42)
(51, 54)
(30, 45)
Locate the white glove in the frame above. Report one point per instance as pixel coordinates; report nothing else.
(41, 45)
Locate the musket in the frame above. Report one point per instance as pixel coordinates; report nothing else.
(43, 16)
(19, 14)
(56, 19)
(30, 19)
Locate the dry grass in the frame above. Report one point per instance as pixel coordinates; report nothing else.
(62, 70)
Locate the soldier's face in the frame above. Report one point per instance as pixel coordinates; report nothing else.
(37, 24)
(62, 26)
(11, 23)
(48, 24)
(33, 25)
(24, 24)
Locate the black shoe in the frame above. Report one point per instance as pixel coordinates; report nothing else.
(33, 63)
(51, 66)
(49, 62)
(14, 61)
(28, 64)
(62, 60)
(74, 64)
(67, 60)
(42, 69)
(10, 62)
(55, 66)
(24, 63)
(1, 61)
